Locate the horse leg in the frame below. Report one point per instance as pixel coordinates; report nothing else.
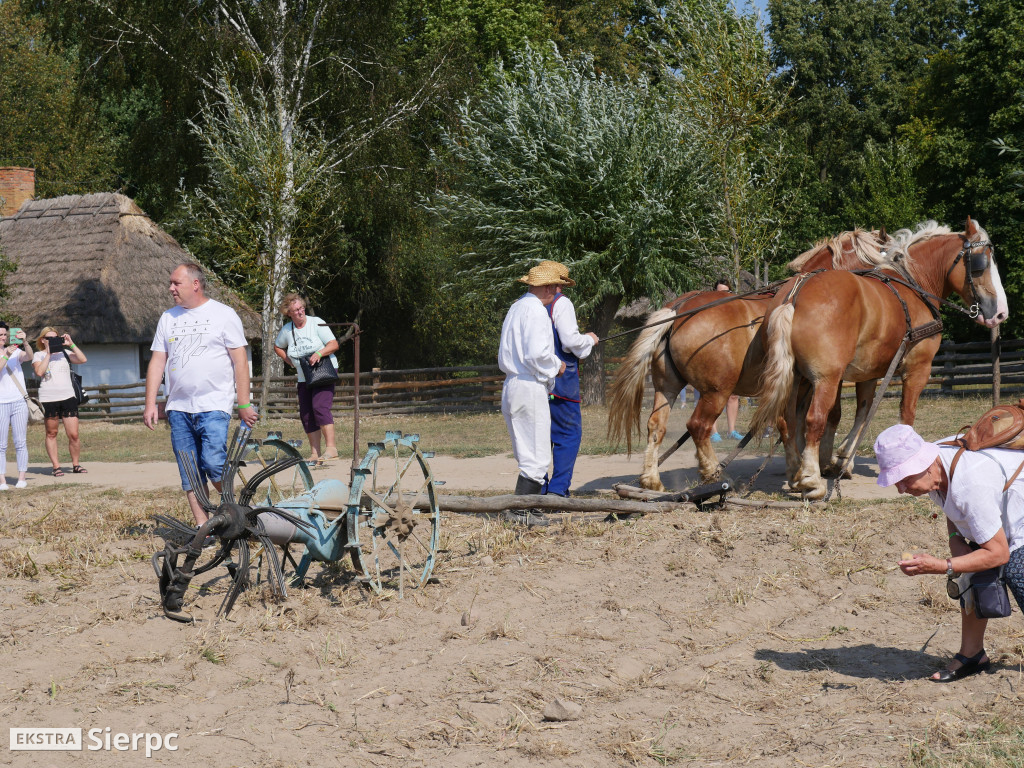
(914, 381)
(657, 425)
(701, 425)
(845, 456)
(667, 386)
(796, 412)
(809, 481)
(830, 468)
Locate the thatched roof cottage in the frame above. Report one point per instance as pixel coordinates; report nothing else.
(97, 267)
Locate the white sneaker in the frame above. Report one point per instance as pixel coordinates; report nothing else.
(21, 484)
(3, 486)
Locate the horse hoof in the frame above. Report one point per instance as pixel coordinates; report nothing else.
(814, 494)
(651, 485)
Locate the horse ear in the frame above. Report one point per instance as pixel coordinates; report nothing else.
(883, 235)
(971, 229)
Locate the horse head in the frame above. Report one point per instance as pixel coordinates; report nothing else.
(975, 276)
(945, 262)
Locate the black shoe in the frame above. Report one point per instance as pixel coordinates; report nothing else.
(527, 487)
(968, 667)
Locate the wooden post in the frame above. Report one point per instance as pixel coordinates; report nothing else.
(996, 367)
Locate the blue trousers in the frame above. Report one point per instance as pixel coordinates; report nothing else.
(566, 436)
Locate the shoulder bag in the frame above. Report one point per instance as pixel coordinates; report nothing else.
(983, 591)
(76, 382)
(35, 411)
(320, 375)
(990, 598)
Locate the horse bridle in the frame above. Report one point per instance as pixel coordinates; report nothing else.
(976, 262)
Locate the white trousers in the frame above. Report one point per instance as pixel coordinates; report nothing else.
(524, 404)
(14, 416)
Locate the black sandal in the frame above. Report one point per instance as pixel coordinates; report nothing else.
(968, 666)
(58, 472)
(78, 469)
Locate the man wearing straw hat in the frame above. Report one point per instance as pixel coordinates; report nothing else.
(571, 346)
(527, 357)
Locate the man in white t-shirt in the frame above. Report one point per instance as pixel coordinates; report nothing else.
(199, 346)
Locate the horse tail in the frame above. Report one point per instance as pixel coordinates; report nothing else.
(777, 378)
(627, 389)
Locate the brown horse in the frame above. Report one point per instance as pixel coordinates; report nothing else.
(708, 346)
(840, 326)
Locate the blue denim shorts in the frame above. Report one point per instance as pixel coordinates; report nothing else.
(205, 436)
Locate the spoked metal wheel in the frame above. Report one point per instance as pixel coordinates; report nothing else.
(285, 484)
(394, 520)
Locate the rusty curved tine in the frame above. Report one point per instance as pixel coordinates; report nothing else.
(271, 469)
(235, 450)
(240, 581)
(188, 461)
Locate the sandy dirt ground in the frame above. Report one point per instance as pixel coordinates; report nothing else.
(494, 474)
(730, 637)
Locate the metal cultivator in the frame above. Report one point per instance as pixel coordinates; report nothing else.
(387, 520)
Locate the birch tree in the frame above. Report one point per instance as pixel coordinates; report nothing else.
(273, 166)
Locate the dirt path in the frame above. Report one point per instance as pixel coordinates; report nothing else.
(490, 474)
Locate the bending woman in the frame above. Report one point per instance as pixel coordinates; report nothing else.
(985, 523)
(57, 395)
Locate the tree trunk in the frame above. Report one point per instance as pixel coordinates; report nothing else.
(592, 368)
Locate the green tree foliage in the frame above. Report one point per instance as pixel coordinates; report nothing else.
(974, 95)
(46, 121)
(887, 188)
(557, 162)
(614, 32)
(718, 61)
(853, 66)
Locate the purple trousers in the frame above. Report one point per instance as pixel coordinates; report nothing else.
(315, 407)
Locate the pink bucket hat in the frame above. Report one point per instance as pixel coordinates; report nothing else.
(901, 452)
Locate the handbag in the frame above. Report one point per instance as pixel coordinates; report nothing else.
(76, 383)
(35, 410)
(989, 592)
(984, 592)
(319, 375)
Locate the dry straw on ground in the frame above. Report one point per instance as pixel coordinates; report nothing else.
(776, 637)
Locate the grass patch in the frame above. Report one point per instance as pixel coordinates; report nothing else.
(997, 744)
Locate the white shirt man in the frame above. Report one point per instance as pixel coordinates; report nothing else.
(527, 356)
(200, 346)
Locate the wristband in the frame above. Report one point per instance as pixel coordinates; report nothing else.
(243, 407)
(74, 346)
(954, 534)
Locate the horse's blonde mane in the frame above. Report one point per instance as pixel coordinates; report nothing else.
(865, 245)
(926, 229)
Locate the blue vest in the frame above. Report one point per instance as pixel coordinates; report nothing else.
(567, 386)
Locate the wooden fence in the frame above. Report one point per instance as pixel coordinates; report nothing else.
(957, 369)
(417, 390)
